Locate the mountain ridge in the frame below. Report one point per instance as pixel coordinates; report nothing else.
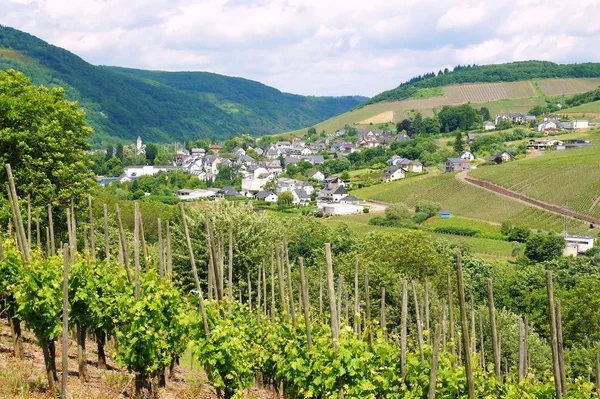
(123, 103)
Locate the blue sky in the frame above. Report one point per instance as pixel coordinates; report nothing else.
(313, 47)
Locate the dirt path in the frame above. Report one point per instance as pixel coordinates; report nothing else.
(494, 188)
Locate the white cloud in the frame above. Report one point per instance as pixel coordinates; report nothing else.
(317, 47)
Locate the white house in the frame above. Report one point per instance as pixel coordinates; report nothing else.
(576, 124)
(267, 196)
(300, 197)
(145, 170)
(333, 193)
(393, 173)
(468, 155)
(548, 125)
(317, 175)
(487, 125)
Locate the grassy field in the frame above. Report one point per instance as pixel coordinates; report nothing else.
(558, 177)
(589, 111)
(482, 246)
(468, 201)
(456, 221)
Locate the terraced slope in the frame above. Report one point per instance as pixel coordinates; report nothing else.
(465, 200)
(570, 177)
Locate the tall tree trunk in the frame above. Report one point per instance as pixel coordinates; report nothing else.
(101, 342)
(81, 352)
(15, 330)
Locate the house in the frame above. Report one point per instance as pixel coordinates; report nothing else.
(239, 151)
(333, 181)
(576, 124)
(546, 126)
(229, 191)
(306, 151)
(316, 175)
(468, 155)
(410, 166)
(583, 243)
(444, 214)
(333, 193)
(300, 197)
(394, 160)
(393, 173)
(472, 136)
(487, 125)
(456, 164)
(198, 152)
(189, 195)
(499, 157)
(350, 200)
(215, 148)
(267, 196)
(543, 144)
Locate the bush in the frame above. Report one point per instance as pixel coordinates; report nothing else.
(420, 217)
(428, 208)
(519, 234)
(382, 221)
(366, 210)
(397, 211)
(318, 214)
(461, 231)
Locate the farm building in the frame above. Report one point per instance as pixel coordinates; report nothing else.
(583, 243)
(543, 144)
(444, 214)
(340, 209)
(576, 124)
(189, 195)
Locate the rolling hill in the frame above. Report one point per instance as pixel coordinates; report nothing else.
(503, 88)
(163, 106)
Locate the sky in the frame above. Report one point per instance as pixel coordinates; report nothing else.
(313, 47)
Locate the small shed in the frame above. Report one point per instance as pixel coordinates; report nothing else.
(444, 214)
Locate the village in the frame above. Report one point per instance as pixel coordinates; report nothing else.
(263, 175)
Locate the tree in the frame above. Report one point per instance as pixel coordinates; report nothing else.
(417, 124)
(311, 131)
(397, 211)
(518, 234)
(485, 113)
(459, 143)
(119, 152)
(541, 247)
(285, 199)
(459, 117)
(271, 185)
(151, 152)
(109, 152)
(43, 137)
(431, 125)
(404, 125)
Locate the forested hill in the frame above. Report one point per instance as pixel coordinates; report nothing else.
(510, 72)
(163, 106)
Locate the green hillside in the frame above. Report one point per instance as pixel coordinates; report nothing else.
(570, 177)
(510, 72)
(163, 106)
(463, 199)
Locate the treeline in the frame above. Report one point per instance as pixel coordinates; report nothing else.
(583, 98)
(510, 72)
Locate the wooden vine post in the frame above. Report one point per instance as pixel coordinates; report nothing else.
(65, 324)
(161, 250)
(553, 336)
(124, 250)
(403, 328)
(335, 328)
(51, 228)
(189, 246)
(356, 318)
(106, 240)
(305, 305)
(368, 326)
(289, 279)
(419, 323)
(466, 344)
(92, 235)
(494, 332)
(434, 363)
(451, 314)
(427, 320)
(560, 349)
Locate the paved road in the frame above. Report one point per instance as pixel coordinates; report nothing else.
(375, 207)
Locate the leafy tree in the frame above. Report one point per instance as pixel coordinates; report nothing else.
(405, 125)
(43, 137)
(485, 113)
(506, 228)
(429, 208)
(271, 185)
(541, 247)
(119, 152)
(459, 143)
(398, 211)
(285, 199)
(417, 124)
(459, 117)
(504, 124)
(311, 131)
(151, 152)
(519, 234)
(431, 125)
(109, 152)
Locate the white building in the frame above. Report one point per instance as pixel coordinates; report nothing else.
(487, 125)
(468, 155)
(576, 124)
(339, 209)
(583, 243)
(145, 170)
(393, 173)
(189, 195)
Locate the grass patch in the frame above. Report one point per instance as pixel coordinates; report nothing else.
(483, 227)
(429, 92)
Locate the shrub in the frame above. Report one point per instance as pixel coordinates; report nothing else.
(366, 210)
(397, 211)
(519, 234)
(462, 231)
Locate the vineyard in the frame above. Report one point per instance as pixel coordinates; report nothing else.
(488, 92)
(565, 178)
(559, 87)
(463, 199)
